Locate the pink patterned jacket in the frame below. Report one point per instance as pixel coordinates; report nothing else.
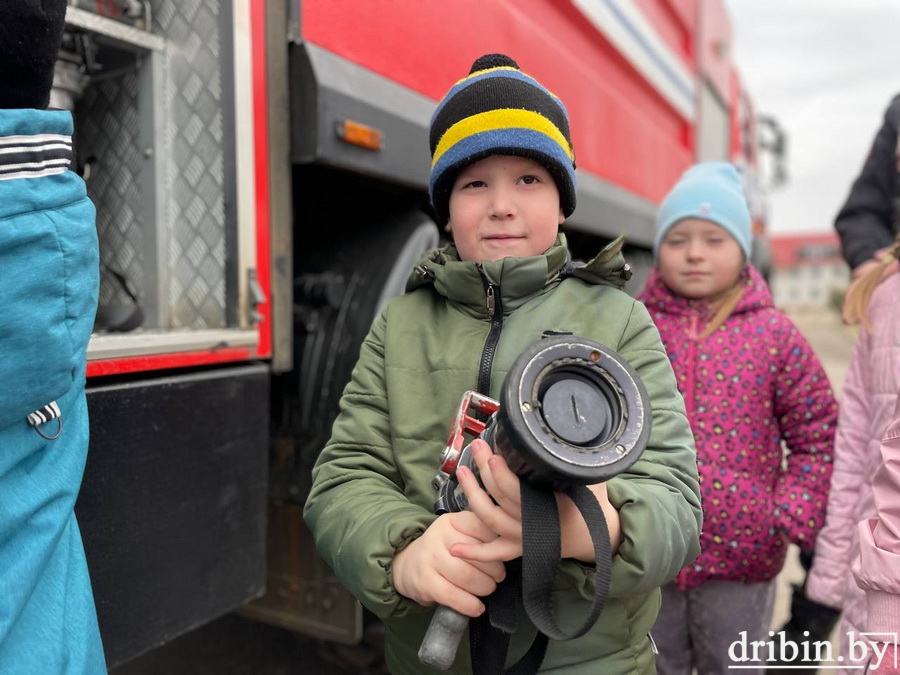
(751, 385)
(868, 405)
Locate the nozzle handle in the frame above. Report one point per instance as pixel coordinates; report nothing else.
(442, 639)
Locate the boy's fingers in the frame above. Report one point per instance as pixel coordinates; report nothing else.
(468, 581)
(499, 549)
(466, 604)
(480, 504)
(495, 569)
(448, 594)
(469, 524)
(498, 478)
(506, 482)
(471, 578)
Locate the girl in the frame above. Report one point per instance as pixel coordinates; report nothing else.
(861, 531)
(750, 381)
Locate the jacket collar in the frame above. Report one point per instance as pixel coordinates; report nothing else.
(658, 296)
(518, 279)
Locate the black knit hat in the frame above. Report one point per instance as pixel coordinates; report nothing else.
(30, 33)
(499, 110)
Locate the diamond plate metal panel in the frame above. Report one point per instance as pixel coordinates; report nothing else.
(190, 164)
(107, 131)
(196, 211)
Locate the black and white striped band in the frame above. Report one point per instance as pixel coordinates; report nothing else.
(34, 156)
(44, 415)
(49, 412)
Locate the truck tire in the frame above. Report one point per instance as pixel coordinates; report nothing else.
(336, 301)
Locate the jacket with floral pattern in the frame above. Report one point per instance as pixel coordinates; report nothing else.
(750, 386)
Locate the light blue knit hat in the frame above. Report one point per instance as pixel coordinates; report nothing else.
(710, 191)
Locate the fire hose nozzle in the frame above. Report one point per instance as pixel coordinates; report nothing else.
(572, 412)
(441, 642)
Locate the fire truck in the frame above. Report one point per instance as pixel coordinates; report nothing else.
(260, 172)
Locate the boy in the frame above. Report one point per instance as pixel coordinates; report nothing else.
(503, 180)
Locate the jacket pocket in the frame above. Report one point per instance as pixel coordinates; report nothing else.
(36, 357)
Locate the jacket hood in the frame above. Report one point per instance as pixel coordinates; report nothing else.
(657, 296)
(518, 279)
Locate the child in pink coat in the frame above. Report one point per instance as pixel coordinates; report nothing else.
(862, 529)
(750, 382)
(877, 570)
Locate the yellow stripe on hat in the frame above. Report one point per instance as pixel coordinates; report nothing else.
(503, 118)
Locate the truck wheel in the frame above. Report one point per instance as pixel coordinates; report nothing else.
(336, 301)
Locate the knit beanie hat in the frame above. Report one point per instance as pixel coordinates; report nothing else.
(30, 34)
(499, 110)
(710, 191)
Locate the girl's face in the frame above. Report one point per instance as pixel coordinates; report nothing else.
(504, 206)
(699, 259)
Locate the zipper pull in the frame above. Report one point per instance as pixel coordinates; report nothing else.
(491, 304)
(694, 334)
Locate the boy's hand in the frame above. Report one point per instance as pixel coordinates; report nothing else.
(503, 514)
(426, 573)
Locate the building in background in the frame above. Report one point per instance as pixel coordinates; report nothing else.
(807, 269)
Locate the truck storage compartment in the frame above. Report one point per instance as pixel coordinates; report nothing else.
(173, 503)
(153, 98)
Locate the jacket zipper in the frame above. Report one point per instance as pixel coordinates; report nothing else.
(495, 313)
(692, 355)
(681, 581)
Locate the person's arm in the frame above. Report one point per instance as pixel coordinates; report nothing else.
(357, 510)
(877, 570)
(386, 550)
(864, 223)
(833, 551)
(807, 415)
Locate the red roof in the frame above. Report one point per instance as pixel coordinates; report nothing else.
(798, 250)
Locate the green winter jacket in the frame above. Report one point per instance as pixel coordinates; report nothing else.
(372, 486)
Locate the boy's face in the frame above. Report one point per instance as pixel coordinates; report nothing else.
(504, 206)
(699, 259)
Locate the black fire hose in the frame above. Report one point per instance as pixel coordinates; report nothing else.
(572, 412)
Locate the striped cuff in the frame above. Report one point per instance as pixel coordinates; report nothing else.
(34, 156)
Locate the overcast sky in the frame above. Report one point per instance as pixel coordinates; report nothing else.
(826, 69)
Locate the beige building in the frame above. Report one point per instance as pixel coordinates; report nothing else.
(807, 269)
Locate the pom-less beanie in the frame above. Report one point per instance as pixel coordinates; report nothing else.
(499, 110)
(710, 191)
(30, 34)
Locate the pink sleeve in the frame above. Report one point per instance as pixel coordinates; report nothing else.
(827, 580)
(807, 416)
(878, 568)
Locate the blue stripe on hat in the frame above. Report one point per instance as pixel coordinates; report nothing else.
(490, 142)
